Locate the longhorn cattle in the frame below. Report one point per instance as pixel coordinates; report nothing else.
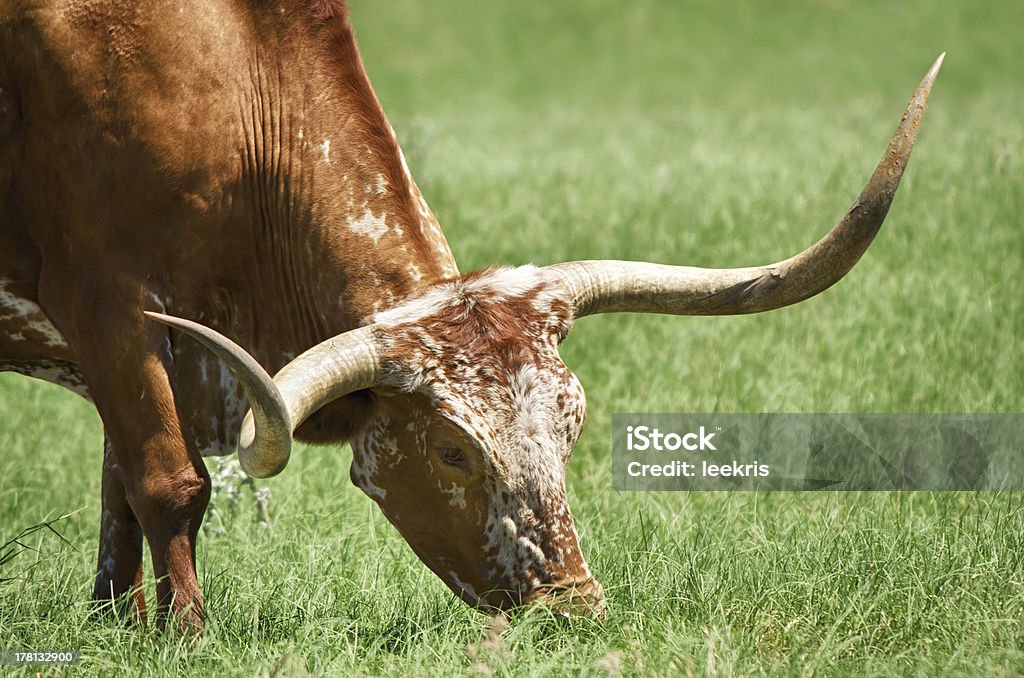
(228, 162)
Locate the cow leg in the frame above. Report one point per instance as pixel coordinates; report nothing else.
(126, 361)
(166, 485)
(119, 564)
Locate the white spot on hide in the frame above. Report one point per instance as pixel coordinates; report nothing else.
(22, 314)
(370, 225)
(457, 495)
(499, 284)
(108, 543)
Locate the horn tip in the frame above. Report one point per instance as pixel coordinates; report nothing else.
(164, 319)
(936, 66)
(175, 322)
(915, 109)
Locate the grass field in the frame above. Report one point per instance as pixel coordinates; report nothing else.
(705, 133)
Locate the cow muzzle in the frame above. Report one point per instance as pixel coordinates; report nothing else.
(582, 597)
(575, 598)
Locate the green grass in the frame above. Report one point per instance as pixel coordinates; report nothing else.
(703, 133)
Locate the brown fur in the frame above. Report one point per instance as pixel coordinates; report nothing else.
(339, 47)
(229, 162)
(169, 156)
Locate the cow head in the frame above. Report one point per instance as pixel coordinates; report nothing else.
(473, 427)
(475, 414)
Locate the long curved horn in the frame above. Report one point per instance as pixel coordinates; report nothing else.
(610, 286)
(334, 368)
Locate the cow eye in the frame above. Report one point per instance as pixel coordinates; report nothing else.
(453, 457)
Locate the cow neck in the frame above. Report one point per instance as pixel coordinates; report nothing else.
(335, 211)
